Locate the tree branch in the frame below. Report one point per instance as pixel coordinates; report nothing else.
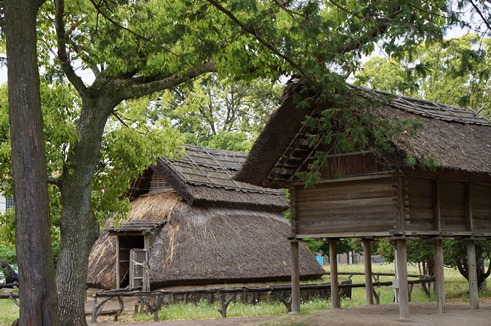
(380, 27)
(81, 54)
(138, 87)
(337, 5)
(112, 21)
(61, 39)
(254, 33)
(485, 21)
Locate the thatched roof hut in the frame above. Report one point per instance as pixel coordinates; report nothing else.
(367, 193)
(200, 227)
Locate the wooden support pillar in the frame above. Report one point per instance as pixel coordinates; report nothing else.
(439, 277)
(367, 253)
(295, 278)
(471, 267)
(396, 288)
(333, 265)
(401, 283)
(118, 273)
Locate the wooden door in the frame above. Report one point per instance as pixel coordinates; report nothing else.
(139, 269)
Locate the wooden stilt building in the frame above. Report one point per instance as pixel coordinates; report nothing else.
(368, 194)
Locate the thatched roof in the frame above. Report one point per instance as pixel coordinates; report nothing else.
(205, 245)
(203, 177)
(457, 139)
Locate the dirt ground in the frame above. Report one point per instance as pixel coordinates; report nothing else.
(457, 314)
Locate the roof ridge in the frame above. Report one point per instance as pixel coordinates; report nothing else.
(431, 109)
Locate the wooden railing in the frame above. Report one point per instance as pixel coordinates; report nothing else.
(154, 300)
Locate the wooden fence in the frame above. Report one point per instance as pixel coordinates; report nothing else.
(155, 300)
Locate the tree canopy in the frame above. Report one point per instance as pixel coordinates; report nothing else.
(223, 114)
(455, 72)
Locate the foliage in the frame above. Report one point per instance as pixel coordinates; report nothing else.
(453, 71)
(456, 256)
(8, 254)
(350, 123)
(129, 128)
(223, 114)
(421, 252)
(321, 247)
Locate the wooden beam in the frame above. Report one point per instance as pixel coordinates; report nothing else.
(436, 205)
(337, 235)
(471, 268)
(295, 268)
(367, 253)
(439, 277)
(400, 198)
(401, 252)
(117, 264)
(369, 176)
(333, 265)
(469, 223)
(293, 212)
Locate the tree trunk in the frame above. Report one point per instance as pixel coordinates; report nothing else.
(38, 304)
(79, 227)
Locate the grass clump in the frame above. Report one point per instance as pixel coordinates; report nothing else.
(9, 312)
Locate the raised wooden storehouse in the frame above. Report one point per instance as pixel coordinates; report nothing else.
(365, 195)
(190, 223)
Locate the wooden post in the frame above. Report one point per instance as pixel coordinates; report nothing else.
(367, 253)
(295, 277)
(469, 223)
(333, 266)
(471, 267)
(401, 253)
(396, 288)
(439, 277)
(118, 280)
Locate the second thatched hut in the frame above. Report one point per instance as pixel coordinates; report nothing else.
(192, 224)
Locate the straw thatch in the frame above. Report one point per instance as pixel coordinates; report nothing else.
(237, 234)
(204, 177)
(458, 140)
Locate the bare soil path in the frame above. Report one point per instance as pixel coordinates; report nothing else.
(457, 314)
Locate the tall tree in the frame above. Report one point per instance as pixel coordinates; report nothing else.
(38, 305)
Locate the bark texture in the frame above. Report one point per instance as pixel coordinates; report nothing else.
(38, 304)
(79, 227)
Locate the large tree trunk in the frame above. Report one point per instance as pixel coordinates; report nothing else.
(79, 227)
(38, 304)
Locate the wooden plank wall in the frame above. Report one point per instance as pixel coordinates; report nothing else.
(481, 207)
(449, 206)
(420, 204)
(354, 164)
(453, 206)
(359, 206)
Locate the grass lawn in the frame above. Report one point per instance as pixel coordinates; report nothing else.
(9, 312)
(456, 291)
